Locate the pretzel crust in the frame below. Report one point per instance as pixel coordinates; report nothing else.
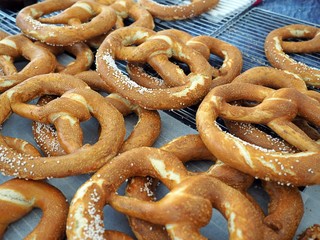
(15, 46)
(178, 12)
(117, 46)
(187, 193)
(85, 159)
(31, 24)
(276, 48)
(166, 167)
(299, 168)
(18, 197)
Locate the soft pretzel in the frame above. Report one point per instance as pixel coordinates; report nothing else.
(77, 100)
(273, 78)
(191, 147)
(186, 148)
(89, 19)
(311, 233)
(178, 12)
(18, 197)
(276, 109)
(138, 16)
(144, 133)
(276, 48)
(12, 47)
(114, 47)
(191, 198)
(231, 67)
(83, 55)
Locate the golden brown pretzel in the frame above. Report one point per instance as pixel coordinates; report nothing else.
(277, 109)
(206, 45)
(12, 47)
(141, 18)
(19, 196)
(276, 48)
(76, 29)
(195, 87)
(178, 12)
(282, 218)
(83, 55)
(311, 233)
(144, 133)
(75, 96)
(273, 78)
(191, 198)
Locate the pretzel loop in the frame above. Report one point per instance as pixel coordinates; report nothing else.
(100, 18)
(16, 46)
(77, 162)
(172, 98)
(276, 48)
(249, 159)
(178, 12)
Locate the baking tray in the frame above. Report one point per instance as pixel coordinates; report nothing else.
(236, 27)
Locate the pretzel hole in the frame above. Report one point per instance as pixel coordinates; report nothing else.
(27, 222)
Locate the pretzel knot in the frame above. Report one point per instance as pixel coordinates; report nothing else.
(206, 45)
(16, 46)
(77, 103)
(118, 46)
(183, 211)
(276, 109)
(80, 21)
(18, 197)
(276, 48)
(178, 12)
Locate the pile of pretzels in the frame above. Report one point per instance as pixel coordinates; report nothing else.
(256, 127)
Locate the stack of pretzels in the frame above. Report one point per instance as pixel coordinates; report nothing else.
(255, 127)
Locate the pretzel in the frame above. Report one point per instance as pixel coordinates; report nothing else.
(277, 109)
(89, 19)
(18, 197)
(80, 51)
(196, 84)
(276, 48)
(77, 102)
(191, 198)
(14, 46)
(191, 147)
(178, 12)
(186, 148)
(206, 45)
(138, 15)
(144, 133)
(273, 78)
(311, 233)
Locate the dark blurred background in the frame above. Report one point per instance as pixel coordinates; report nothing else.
(307, 10)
